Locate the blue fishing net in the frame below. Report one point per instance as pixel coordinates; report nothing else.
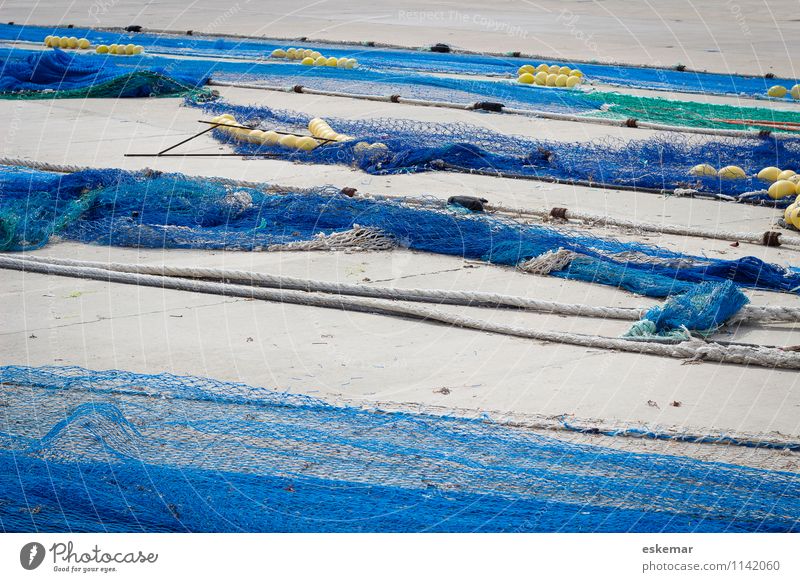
(418, 146)
(115, 451)
(57, 73)
(156, 210)
(707, 306)
(400, 60)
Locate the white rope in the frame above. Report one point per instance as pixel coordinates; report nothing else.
(514, 111)
(549, 261)
(587, 218)
(697, 350)
(749, 313)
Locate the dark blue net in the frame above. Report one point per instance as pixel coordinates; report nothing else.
(117, 451)
(418, 146)
(175, 211)
(413, 60)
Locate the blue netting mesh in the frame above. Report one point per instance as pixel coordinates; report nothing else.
(116, 451)
(417, 146)
(410, 60)
(705, 307)
(175, 211)
(56, 73)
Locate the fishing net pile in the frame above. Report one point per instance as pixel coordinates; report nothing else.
(120, 452)
(399, 60)
(56, 74)
(404, 145)
(154, 210)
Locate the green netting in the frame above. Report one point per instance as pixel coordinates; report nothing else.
(693, 113)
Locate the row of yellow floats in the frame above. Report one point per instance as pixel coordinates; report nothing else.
(321, 132)
(549, 76)
(783, 182)
(781, 91)
(72, 42)
(312, 58)
(66, 42)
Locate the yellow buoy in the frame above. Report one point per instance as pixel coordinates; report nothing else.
(526, 78)
(553, 69)
(731, 173)
(703, 170)
(307, 61)
(101, 49)
(270, 137)
(351, 64)
(53, 41)
(47, 39)
(795, 218)
(73, 42)
(332, 62)
(307, 53)
(787, 212)
(278, 54)
(341, 62)
(63, 42)
(795, 92)
(543, 68)
(551, 79)
(315, 54)
(541, 78)
(525, 69)
(769, 174)
(256, 136)
(795, 179)
(83, 43)
(564, 71)
(561, 80)
(781, 189)
(120, 50)
(288, 141)
(112, 48)
(777, 91)
(785, 175)
(576, 73)
(228, 116)
(572, 81)
(320, 61)
(129, 49)
(307, 143)
(290, 53)
(138, 49)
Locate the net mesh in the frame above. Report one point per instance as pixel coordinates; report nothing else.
(58, 74)
(154, 210)
(417, 146)
(116, 451)
(398, 60)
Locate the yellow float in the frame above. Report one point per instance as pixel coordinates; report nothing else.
(307, 143)
(84, 43)
(278, 54)
(553, 69)
(525, 69)
(769, 174)
(551, 79)
(572, 81)
(541, 78)
(320, 61)
(564, 71)
(341, 62)
(101, 49)
(703, 170)
(526, 78)
(332, 62)
(795, 92)
(288, 141)
(731, 173)
(307, 61)
(63, 42)
(782, 189)
(777, 91)
(72, 42)
(786, 174)
(543, 68)
(561, 80)
(576, 73)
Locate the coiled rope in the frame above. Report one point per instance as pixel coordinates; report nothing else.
(697, 350)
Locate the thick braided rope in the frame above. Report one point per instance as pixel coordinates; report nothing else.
(749, 313)
(586, 218)
(697, 350)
